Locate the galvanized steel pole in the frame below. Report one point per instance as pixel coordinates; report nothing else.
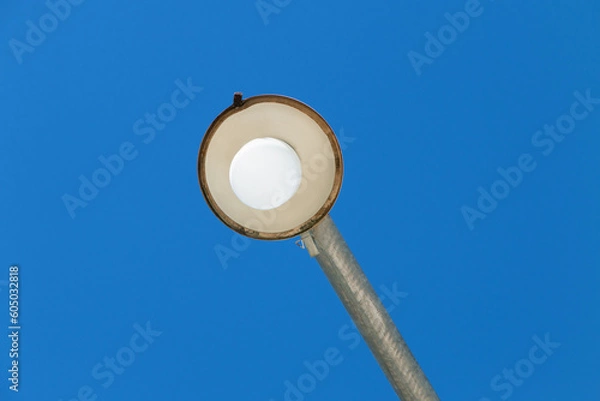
(326, 244)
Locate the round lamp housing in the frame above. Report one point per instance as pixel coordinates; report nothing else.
(270, 167)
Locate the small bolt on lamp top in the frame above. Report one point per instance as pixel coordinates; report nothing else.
(237, 99)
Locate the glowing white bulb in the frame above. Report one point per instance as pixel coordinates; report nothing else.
(265, 173)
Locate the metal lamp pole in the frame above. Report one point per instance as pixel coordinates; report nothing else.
(282, 128)
(325, 243)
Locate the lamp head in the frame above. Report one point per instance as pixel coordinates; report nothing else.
(270, 167)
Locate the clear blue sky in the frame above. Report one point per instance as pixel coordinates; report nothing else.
(429, 122)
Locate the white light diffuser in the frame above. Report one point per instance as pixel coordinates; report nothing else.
(265, 173)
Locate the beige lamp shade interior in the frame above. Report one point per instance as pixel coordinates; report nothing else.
(270, 167)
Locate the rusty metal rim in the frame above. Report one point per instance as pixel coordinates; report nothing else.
(335, 146)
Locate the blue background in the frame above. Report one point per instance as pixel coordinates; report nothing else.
(143, 250)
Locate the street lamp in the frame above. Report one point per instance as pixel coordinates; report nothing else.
(270, 168)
